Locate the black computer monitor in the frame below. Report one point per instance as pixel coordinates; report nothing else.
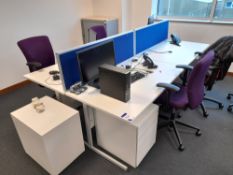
(91, 58)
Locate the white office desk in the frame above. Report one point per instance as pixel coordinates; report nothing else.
(121, 137)
(143, 93)
(92, 97)
(43, 78)
(183, 54)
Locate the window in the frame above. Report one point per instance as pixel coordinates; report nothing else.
(196, 9)
(185, 8)
(224, 9)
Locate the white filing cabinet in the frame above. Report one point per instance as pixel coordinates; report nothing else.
(110, 24)
(52, 138)
(129, 141)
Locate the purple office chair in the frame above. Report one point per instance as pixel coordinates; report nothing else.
(189, 96)
(37, 51)
(100, 31)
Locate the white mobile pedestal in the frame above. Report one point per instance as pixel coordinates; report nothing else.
(52, 138)
(129, 141)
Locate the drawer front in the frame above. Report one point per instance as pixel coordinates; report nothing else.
(116, 136)
(147, 132)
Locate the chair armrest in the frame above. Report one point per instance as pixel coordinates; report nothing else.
(34, 65)
(187, 70)
(198, 53)
(186, 67)
(168, 86)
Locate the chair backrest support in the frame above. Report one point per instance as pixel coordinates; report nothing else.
(196, 80)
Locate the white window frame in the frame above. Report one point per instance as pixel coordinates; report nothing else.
(210, 19)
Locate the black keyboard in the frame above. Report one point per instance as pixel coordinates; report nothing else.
(136, 76)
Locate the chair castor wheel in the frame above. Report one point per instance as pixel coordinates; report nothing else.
(169, 128)
(181, 148)
(220, 106)
(205, 114)
(228, 97)
(229, 109)
(198, 133)
(179, 116)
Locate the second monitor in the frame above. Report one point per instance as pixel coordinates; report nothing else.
(91, 58)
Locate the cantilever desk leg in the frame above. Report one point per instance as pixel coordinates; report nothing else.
(89, 122)
(57, 95)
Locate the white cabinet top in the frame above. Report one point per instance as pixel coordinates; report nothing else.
(55, 113)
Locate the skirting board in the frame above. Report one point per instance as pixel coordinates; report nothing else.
(230, 74)
(14, 87)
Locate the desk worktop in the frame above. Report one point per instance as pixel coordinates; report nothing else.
(183, 54)
(43, 78)
(143, 91)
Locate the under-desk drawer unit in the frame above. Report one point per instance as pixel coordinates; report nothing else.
(52, 138)
(129, 141)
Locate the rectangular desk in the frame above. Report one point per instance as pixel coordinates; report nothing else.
(183, 54)
(42, 77)
(128, 140)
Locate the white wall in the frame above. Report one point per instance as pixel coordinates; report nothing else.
(59, 19)
(135, 13)
(108, 8)
(131, 13)
(201, 32)
(126, 13)
(141, 10)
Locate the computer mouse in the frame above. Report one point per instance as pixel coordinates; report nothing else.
(56, 77)
(53, 72)
(128, 66)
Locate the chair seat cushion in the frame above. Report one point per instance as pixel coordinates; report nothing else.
(179, 99)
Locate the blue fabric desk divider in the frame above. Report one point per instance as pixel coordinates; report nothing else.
(151, 35)
(67, 61)
(124, 47)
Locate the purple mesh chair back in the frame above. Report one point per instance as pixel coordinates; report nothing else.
(196, 80)
(100, 31)
(37, 49)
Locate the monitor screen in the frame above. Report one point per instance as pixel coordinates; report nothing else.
(90, 59)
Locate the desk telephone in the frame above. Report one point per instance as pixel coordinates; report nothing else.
(175, 39)
(148, 62)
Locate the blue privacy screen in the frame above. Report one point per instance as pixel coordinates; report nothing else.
(123, 47)
(151, 35)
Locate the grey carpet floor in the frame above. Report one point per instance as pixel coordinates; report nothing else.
(210, 154)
